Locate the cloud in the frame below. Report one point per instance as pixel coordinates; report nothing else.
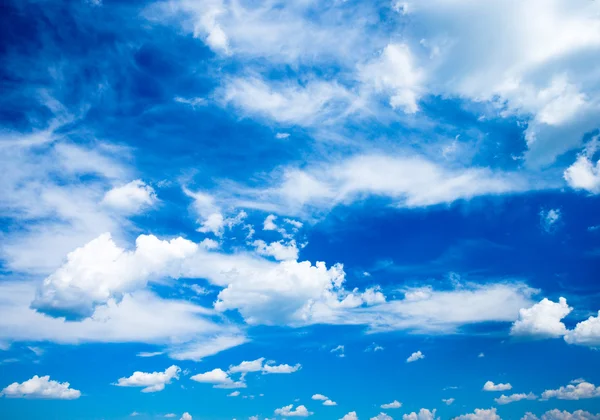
(234, 394)
(582, 390)
(415, 356)
(130, 198)
(382, 416)
(151, 382)
(542, 320)
(279, 250)
(251, 366)
(269, 223)
(448, 401)
(186, 416)
(549, 219)
(374, 348)
(100, 270)
(288, 411)
(197, 350)
(350, 416)
(503, 399)
(563, 415)
(41, 387)
(149, 354)
(319, 397)
(329, 403)
(490, 386)
(480, 414)
(218, 378)
(583, 174)
(423, 414)
(283, 368)
(585, 333)
(393, 404)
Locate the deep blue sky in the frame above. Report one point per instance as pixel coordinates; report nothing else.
(388, 210)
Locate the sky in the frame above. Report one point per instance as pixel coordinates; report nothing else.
(338, 209)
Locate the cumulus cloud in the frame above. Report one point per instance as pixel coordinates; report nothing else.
(150, 382)
(582, 390)
(549, 219)
(585, 333)
(480, 414)
(319, 397)
(563, 415)
(234, 394)
(130, 198)
(448, 401)
(218, 378)
(504, 399)
(279, 250)
(100, 270)
(41, 387)
(393, 404)
(542, 320)
(289, 411)
(329, 403)
(350, 416)
(283, 368)
(382, 416)
(248, 366)
(415, 356)
(490, 386)
(186, 416)
(423, 414)
(583, 174)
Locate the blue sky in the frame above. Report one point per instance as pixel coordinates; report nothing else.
(297, 209)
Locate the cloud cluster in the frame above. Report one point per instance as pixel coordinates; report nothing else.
(41, 387)
(150, 382)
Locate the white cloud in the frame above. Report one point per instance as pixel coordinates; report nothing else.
(245, 366)
(100, 270)
(149, 354)
(319, 397)
(350, 416)
(423, 414)
(580, 391)
(382, 416)
(503, 399)
(448, 401)
(170, 415)
(393, 404)
(234, 394)
(288, 411)
(585, 333)
(329, 403)
(279, 250)
(151, 382)
(583, 174)
(480, 355)
(542, 320)
(490, 386)
(549, 219)
(282, 136)
(186, 416)
(415, 356)
(130, 198)
(480, 414)
(395, 73)
(41, 387)
(564, 415)
(269, 223)
(218, 378)
(283, 368)
(197, 350)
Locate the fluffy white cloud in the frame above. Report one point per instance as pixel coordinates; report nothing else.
(234, 394)
(283, 368)
(289, 411)
(151, 382)
(393, 404)
(586, 333)
(329, 403)
(279, 250)
(583, 174)
(448, 401)
(350, 416)
(423, 414)
(563, 415)
(382, 416)
(41, 387)
(130, 198)
(219, 379)
(549, 219)
(415, 356)
(579, 391)
(319, 397)
(542, 320)
(186, 416)
(100, 270)
(269, 223)
(480, 414)
(248, 366)
(490, 386)
(504, 399)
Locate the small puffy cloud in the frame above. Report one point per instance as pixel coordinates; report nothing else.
(130, 198)
(41, 387)
(382, 416)
(503, 399)
(279, 250)
(565, 415)
(269, 223)
(329, 403)
(582, 390)
(374, 348)
(339, 350)
(423, 414)
(549, 219)
(283, 368)
(218, 378)
(151, 382)
(289, 411)
(480, 414)
(186, 416)
(393, 404)
(282, 136)
(490, 386)
(481, 355)
(585, 333)
(584, 174)
(415, 356)
(248, 366)
(448, 401)
(234, 394)
(542, 320)
(350, 416)
(134, 414)
(319, 397)
(100, 270)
